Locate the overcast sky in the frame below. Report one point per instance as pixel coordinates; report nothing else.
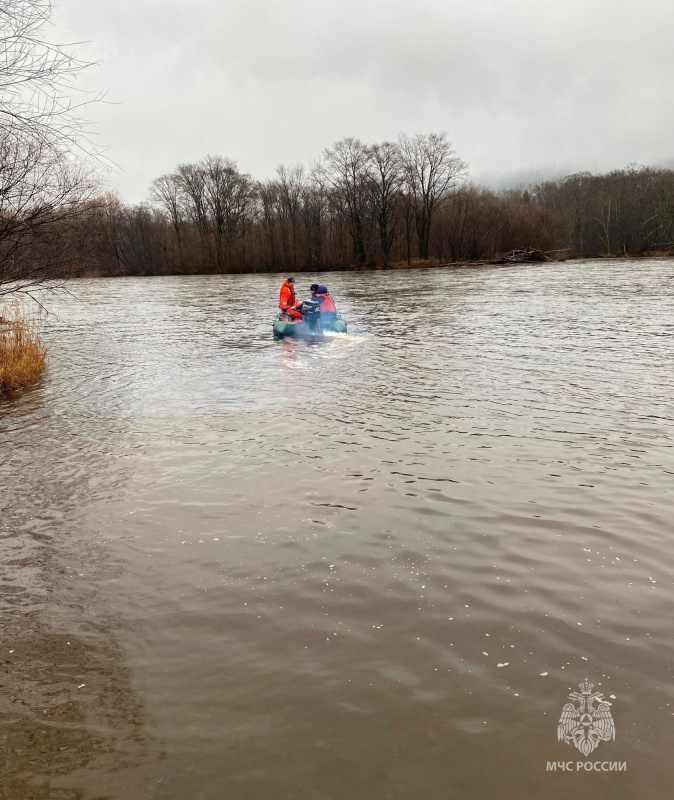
(523, 87)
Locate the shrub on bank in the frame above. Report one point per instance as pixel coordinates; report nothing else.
(23, 356)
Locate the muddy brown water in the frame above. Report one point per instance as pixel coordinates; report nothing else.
(370, 566)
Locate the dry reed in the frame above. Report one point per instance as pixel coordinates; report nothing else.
(23, 356)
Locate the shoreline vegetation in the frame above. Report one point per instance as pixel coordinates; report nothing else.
(414, 264)
(23, 355)
(372, 207)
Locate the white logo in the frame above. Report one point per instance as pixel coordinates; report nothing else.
(583, 724)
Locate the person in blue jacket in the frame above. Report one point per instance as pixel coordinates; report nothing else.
(328, 308)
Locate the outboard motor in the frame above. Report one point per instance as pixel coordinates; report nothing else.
(311, 314)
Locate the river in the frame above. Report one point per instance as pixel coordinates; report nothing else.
(370, 566)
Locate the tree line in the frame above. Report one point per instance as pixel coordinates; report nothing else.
(364, 206)
(358, 206)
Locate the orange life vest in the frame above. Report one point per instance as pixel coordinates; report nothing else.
(327, 303)
(287, 297)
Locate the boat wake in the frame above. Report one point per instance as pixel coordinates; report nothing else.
(344, 337)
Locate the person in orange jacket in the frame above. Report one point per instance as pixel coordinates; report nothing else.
(328, 307)
(287, 299)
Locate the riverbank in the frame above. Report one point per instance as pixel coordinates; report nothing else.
(514, 259)
(553, 256)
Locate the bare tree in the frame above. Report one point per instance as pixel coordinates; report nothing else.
(43, 187)
(191, 182)
(313, 212)
(166, 192)
(432, 169)
(386, 180)
(216, 198)
(37, 91)
(230, 198)
(342, 174)
(221, 184)
(291, 182)
(269, 204)
(42, 194)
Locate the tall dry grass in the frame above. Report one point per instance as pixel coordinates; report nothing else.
(23, 356)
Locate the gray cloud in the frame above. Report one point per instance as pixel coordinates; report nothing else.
(520, 85)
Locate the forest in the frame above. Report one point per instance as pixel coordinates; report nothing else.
(358, 206)
(371, 206)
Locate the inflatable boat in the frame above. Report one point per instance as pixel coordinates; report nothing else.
(313, 323)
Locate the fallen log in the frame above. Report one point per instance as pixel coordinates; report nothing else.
(528, 256)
